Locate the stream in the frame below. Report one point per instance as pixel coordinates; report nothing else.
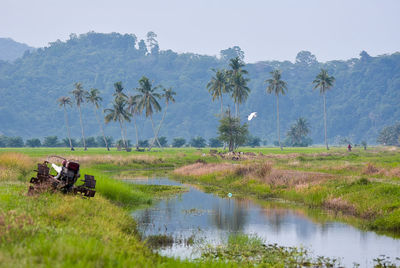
(210, 219)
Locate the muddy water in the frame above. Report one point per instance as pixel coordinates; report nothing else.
(210, 219)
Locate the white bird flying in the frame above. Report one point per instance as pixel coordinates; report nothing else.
(252, 115)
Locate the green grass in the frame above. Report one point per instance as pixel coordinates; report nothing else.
(61, 230)
(248, 251)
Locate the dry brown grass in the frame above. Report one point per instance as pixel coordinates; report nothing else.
(370, 169)
(338, 204)
(199, 169)
(262, 171)
(13, 165)
(119, 160)
(293, 178)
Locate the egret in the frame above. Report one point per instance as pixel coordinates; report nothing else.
(252, 115)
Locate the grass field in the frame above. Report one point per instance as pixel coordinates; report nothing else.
(362, 184)
(56, 230)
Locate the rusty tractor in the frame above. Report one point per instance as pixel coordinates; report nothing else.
(65, 179)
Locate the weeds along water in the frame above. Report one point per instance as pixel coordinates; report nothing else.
(361, 184)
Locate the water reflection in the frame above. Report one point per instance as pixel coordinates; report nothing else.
(211, 219)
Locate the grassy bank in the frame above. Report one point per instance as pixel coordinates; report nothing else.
(360, 184)
(57, 230)
(63, 230)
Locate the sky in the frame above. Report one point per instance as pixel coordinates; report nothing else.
(263, 29)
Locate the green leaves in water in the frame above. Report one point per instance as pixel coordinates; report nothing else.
(251, 250)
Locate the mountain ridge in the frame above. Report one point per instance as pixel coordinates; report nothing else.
(360, 104)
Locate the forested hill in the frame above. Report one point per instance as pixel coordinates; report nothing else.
(11, 50)
(364, 98)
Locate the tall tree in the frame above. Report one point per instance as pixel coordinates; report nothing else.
(238, 82)
(118, 93)
(133, 110)
(218, 85)
(324, 82)
(240, 90)
(168, 96)
(118, 90)
(237, 65)
(147, 101)
(64, 101)
(118, 113)
(276, 86)
(94, 98)
(79, 93)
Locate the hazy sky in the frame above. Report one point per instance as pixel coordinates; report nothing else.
(265, 30)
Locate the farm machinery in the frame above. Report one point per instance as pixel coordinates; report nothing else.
(65, 179)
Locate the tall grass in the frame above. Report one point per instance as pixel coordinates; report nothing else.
(14, 166)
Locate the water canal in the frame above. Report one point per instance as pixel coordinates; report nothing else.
(210, 219)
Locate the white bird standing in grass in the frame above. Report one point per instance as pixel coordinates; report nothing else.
(252, 115)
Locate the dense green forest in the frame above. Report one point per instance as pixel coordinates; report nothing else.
(11, 50)
(364, 99)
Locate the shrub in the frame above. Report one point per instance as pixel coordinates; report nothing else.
(178, 142)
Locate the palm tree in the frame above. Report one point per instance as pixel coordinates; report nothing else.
(324, 82)
(64, 101)
(94, 98)
(168, 95)
(118, 93)
(240, 90)
(302, 127)
(118, 90)
(218, 86)
(276, 86)
(79, 93)
(133, 109)
(237, 82)
(147, 101)
(236, 65)
(120, 114)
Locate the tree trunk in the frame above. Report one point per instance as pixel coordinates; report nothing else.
(326, 141)
(277, 121)
(136, 131)
(155, 137)
(222, 110)
(83, 132)
(101, 128)
(69, 133)
(122, 134)
(125, 136)
(159, 126)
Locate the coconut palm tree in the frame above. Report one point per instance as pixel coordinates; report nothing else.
(302, 126)
(64, 101)
(240, 90)
(238, 82)
(236, 65)
(118, 90)
(118, 93)
(168, 96)
(94, 98)
(133, 110)
(324, 82)
(120, 114)
(219, 85)
(277, 86)
(147, 101)
(79, 93)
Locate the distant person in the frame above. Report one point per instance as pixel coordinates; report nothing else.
(349, 147)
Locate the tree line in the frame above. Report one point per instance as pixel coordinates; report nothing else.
(125, 108)
(98, 142)
(234, 83)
